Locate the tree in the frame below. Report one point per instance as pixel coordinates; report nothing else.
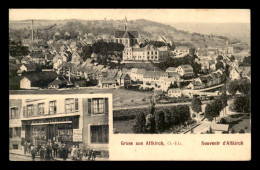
(168, 118)
(86, 52)
(244, 86)
(232, 58)
(196, 105)
(139, 126)
(220, 57)
(159, 121)
(208, 112)
(232, 87)
(183, 113)
(150, 123)
(213, 110)
(219, 65)
(224, 100)
(242, 104)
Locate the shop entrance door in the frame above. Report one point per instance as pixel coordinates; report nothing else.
(50, 132)
(27, 133)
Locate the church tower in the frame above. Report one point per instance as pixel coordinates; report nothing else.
(125, 23)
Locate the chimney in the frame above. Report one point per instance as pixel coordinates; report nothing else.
(32, 30)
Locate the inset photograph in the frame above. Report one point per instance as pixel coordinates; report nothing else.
(59, 128)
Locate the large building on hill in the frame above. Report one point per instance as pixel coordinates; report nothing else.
(128, 38)
(147, 53)
(133, 52)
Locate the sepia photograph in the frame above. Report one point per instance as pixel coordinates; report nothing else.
(169, 72)
(55, 128)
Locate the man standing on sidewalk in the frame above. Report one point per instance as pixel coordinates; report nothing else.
(33, 152)
(25, 147)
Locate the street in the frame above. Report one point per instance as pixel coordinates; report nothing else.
(15, 157)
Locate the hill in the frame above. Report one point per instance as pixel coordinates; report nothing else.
(148, 29)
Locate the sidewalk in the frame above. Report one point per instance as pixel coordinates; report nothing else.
(21, 152)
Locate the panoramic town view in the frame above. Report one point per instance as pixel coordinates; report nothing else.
(163, 79)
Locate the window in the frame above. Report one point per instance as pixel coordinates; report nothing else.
(52, 107)
(29, 110)
(71, 105)
(155, 52)
(98, 106)
(17, 132)
(14, 113)
(99, 134)
(10, 132)
(40, 108)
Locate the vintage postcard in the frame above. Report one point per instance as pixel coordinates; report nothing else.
(129, 84)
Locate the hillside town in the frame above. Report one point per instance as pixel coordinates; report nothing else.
(192, 89)
(58, 63)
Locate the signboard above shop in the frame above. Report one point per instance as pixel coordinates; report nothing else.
(77, 135)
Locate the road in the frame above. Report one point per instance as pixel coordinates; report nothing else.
(157, 105)
(15, 157)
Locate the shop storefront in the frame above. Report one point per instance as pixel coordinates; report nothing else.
(40, 131)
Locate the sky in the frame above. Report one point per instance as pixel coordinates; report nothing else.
(157, 15)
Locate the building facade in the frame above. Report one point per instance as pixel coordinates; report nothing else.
(81, 121)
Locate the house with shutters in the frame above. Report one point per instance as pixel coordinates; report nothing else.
(27, 67)
(185, 70)
(38, 58)
(181, 51)
(174, 92)
(58, 118)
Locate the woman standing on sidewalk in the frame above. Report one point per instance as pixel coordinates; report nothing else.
(72, 152)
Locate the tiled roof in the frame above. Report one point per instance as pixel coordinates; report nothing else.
(182, 48)
(37, 55)
(120, 34)
(186, 67)
(171, 69)
(58, 81)
(154, 74)
(138, 49)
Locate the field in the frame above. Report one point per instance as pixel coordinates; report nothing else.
(124, 126)
(121, 97)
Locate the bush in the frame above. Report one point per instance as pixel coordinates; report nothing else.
(232, 131)
(159, 121)
(241, 131)
(139, 127)
(246, 127)
(223, 121)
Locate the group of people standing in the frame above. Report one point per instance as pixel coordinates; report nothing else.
(78, 154)
(50, 150)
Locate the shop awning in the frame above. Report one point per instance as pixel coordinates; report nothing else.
(50, 123)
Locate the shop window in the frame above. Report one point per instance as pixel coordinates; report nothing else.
(40, 108)
(99, 134)
(29, 110)
(14, 113)
(52, 107)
